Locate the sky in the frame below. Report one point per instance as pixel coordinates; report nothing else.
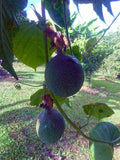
(86, 14)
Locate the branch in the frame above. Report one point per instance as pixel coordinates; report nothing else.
(103, 34)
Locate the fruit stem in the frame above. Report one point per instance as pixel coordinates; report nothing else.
(44, 36)
(74, 125)
(27, 84)
(66, 27)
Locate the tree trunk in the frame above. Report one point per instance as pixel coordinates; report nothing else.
(89, 80)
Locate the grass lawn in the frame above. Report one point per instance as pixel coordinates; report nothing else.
(18, 139)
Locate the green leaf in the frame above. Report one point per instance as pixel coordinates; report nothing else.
(76, 51)
(103, 131)
(63, 100)
(89, 44)
(7, 21)
(100, 32)
(101, 151)
(28, 45)
(97, 6)
(73, 17)
(108, 6)
(98, 110)
(91, 22)
(56, 11)
(36, 99)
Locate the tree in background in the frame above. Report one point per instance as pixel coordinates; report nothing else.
(84, 36)
(93, 61)
(111, 65)
(22, 17)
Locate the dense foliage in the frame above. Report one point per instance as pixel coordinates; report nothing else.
(93, 61)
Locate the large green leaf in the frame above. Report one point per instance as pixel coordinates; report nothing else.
(7, 21)
(98, 110)
(103, 131)
(101, 151)
(28, 45)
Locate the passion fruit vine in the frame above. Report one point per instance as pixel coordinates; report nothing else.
(64, 75)
(50, 126)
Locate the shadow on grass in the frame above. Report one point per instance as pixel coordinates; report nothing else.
(31, 83)
(107, 85)
(28, 75)
(17, 115)
(23, 143)
(13, 104)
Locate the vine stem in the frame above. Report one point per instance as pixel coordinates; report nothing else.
(45, 39)
(44, 36)
(112, 143)
(74, 125)
(27, 84)
(66, 27)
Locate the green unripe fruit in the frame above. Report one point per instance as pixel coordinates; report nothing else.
(50, 126)
(64, 75)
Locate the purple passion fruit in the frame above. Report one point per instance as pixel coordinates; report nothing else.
(50, 126)
(64, 75)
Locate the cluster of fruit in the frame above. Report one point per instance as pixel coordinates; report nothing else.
(64, 77)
